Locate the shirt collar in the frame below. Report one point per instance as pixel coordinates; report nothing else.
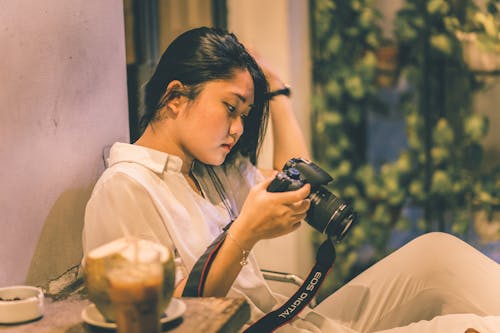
(152, 159)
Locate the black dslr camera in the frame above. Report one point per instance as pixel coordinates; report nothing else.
(327, 214)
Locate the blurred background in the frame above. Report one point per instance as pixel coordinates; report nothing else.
(397, 98)
(401, 110)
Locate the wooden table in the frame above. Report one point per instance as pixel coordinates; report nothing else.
(207, 315)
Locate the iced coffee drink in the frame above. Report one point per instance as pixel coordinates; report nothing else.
(135, 289)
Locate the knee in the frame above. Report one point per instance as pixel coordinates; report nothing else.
(436, 242)
(434, 253)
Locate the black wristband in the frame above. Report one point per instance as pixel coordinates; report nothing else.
(283, 91)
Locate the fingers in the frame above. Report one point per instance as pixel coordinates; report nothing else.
(291, 197)
(301, 206)
(295, 213)
(265, 183)
(287, 197)
(278, 212)
(299, 210)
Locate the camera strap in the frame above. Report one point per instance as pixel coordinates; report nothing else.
(196, 279)
(325, 258)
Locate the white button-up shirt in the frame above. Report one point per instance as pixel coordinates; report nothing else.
(144, 193)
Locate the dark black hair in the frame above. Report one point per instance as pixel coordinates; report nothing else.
(201, 55)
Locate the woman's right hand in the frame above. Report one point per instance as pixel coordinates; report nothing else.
(267, 215)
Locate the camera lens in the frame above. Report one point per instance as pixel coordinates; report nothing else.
(329, 214)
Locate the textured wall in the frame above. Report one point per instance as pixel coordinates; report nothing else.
(63, 98)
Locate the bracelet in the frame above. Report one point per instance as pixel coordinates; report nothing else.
(283, 91)
(244, 253)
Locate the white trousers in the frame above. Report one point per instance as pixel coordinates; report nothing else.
(435, 283)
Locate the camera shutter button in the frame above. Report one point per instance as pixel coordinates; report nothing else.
(293, 173)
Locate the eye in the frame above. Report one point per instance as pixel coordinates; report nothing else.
(232, 110)
(230, 107)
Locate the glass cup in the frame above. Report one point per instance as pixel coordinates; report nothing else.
(135, 290)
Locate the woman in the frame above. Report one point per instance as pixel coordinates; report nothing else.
(192, 172)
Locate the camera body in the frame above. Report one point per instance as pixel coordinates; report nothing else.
(328, 214)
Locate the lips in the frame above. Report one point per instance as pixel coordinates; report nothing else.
(228, 145)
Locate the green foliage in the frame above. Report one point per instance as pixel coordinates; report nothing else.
(444, 135)
(346, 37)
(441, 169)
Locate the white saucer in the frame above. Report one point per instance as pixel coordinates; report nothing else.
(93, 317)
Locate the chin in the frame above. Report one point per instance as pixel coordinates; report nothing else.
(214, 161)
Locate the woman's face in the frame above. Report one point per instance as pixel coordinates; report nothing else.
(212, 123)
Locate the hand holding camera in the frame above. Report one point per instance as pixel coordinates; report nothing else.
(327, 213)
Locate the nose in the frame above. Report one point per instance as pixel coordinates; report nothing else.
(237, 127)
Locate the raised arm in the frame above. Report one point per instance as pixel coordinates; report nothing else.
(288, 139)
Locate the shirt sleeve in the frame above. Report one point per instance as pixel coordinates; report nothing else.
(120, 206)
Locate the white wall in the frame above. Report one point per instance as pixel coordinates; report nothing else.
(279, 31)
(63, 98)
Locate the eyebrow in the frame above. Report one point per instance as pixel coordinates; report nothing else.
(243, 99)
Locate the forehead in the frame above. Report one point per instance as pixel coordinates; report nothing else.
(240, 84)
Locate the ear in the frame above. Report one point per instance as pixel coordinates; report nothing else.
(174, 95)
